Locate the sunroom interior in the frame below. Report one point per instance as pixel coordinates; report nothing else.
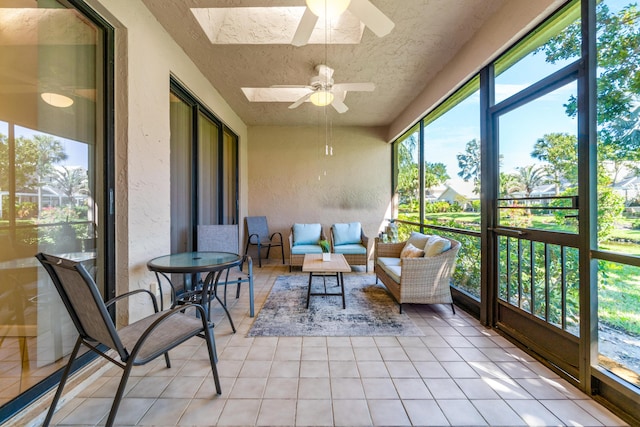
(511, 127)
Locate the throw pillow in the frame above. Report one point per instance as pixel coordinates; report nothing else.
(436, 245)
(410, 251)
(418, 240)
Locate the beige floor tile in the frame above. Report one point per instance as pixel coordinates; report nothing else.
(351, 413)
(343, 369)
(165, 412)
(314, 369)
(412, 388)
(347, 388)
(460, 370)
(388, 413)
(444, 388)
(498, 413)
(277, 412)
(285, 368)
(255, 369)
(461, 412)
(372, 369)
(425, 413)
(402, 370)
(248, 388)
(314, 412)
(314, 388)
(281, 388)
(239, 412)
(379, 388)
(570, 413)
(534, 413)
(202, 412)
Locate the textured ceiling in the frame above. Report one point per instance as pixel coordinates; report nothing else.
(427, 34)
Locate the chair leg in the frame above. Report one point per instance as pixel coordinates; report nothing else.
(120, 393)
(453, 308)
(63, 380)
(282, 251)
(268, 250)
(259, 255)
(238, 288)
(211, 347)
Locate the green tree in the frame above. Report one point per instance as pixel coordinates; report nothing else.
(434, 175)
(408, 183)
(71, 182)
(560, 152)
(618, 38)
(530, 177)
(35, 158)
(469, 164)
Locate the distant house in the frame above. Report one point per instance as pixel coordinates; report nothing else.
(629, 188)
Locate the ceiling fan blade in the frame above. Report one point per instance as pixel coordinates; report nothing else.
(271, 94)
(354, 87)
(305, 28)
(339, 105)
(372, 17)
(300, 101)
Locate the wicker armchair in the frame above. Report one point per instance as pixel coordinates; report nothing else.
(423, 280)
(355, 251)
(298, 249)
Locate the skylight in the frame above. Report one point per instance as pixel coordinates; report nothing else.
(272, 25)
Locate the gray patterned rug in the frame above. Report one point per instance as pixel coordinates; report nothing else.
(370, 310)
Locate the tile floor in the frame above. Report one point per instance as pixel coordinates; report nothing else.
(458, 374)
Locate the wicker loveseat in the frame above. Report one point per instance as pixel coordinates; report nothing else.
(418, 280)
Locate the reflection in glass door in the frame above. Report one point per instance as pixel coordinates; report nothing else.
(51, 178)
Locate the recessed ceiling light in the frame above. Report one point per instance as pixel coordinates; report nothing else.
(56, 100)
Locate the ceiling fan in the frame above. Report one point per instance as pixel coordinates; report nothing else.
(320, 91)
(370, 16)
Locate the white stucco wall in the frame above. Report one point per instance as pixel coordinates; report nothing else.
(288, 183)
(146, 56)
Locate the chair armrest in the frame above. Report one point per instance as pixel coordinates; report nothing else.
(416, 270)
(391, 250)
(136, 291)
(365, 241)
(177, 311)
(276, 233)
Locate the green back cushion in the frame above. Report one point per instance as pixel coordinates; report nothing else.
(306, 234)
(345, 234)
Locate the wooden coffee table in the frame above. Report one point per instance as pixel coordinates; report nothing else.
(315, 266)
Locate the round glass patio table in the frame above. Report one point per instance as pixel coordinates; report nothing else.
(210, 263)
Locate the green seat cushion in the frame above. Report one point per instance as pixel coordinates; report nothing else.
(347, 234)
(306, 234)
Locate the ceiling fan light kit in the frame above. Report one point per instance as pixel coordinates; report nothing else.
(321, 98)
(328, 8)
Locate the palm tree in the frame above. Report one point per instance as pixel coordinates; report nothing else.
(71, 182)
(530, 177)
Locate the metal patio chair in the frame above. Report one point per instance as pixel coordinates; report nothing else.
(258, 235)
(136, 344)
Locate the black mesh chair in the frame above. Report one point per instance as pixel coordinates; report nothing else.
(135, 344)
(258, 235)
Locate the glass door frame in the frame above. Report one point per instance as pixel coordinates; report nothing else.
(106, 252)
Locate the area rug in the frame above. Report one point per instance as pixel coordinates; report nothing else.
(370, 310)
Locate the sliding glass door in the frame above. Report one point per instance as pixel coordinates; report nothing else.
(54, 178)
(204, 170)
